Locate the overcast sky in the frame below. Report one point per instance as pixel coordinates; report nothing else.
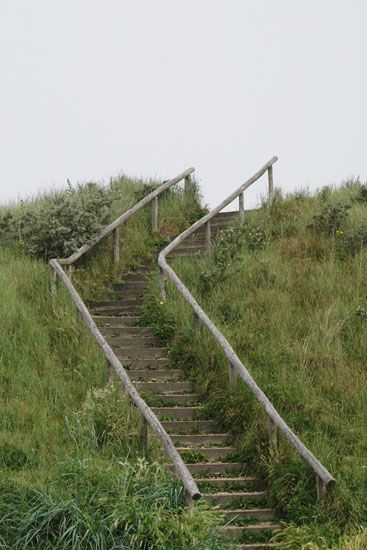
(91, 88)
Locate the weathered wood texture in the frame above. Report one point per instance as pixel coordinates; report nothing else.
(125, 216)
(116, 245)
(179, 465)
(325, 479)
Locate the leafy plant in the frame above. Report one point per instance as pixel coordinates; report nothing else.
(330, 218)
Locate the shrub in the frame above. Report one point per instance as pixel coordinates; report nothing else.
(351, 241)
(59, 225)
(329, 219)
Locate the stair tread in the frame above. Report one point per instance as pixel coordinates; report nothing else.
(254, 526)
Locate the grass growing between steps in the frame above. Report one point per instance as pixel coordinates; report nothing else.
(290, 294)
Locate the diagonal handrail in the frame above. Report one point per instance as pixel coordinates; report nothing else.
(56, 270)
(324, 479)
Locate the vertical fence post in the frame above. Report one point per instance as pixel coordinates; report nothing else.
(270, 187)
(53, 277)
(196, 324)
(110, 371)
(155, 215)
(69, 270)
(321, 490)
(162, 283)
(241, 208)
(116, 245)
(273, 436)
(144, 435)
(208, 236)
(232, 375)
(188, 185)
(189, 502)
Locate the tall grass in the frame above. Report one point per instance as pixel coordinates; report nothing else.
(292, 301)
(70, 445)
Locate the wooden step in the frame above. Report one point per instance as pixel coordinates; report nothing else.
(115, 321)
(235, 532)
(177, 412)
(164, 387)
(131, 353)
(195, 439)
(257, 546)
(216, 468)
(226, 497)
(208, 453)
(132, 332)
(133, 284)
(224, 482)
(122, 304)
(133, 342)
(155, 374)
(265, 514)
(174, 398)
(148, 363)
(186, 426)
(115, 310)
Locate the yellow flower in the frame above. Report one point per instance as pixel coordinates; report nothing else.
(161, 303)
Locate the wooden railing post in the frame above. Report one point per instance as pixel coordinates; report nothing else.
(270, 187)
(273, 436)
(110, 371)
(162, 283)
(241, 208)
(155, 215)
(232, 375)
(196, 324)
(188, 185)
(208, 236)
(189, 502)
(116, 245)
(321, 490)
(53, 277)
(144, 435)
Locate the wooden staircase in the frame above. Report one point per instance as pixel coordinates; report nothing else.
(210, 454)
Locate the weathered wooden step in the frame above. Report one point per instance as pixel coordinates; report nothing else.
(132, 342)
(149, 363)
(229, 496)
(133, 284)
(174, 398)
(195, 439)
(216, 468)
(155, 374)
(208, 453)
(164, 387)
(132, 332)
(235, 532)
(131, 353)
(265, 514)
(122, 304)
(185, 426)
(115, 321)
(116, 310)
(177, 412)
(224, 482)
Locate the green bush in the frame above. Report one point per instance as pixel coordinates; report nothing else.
(58, 226)
(329, 219)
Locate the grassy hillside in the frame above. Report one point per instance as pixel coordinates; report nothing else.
(289, 291)
(72, 476)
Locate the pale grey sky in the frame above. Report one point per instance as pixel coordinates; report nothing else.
(90, 88)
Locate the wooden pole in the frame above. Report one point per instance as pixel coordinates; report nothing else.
(270, 186)
(208, 237)
(162, 283)
(241, 207)
(155, 215)
(53, 277)
(188, 185)
(196, 325)
(321, 490)
(273, 436)
(232, 378)
(116, 245)
(144, 435)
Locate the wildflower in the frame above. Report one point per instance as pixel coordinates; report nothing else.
(161, 303)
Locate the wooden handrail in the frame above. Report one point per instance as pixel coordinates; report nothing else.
(126, 215)
(149, 417)
(324, 479)
(179, 465)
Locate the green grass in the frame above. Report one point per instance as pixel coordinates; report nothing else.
(292, 301)
(72, 476)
